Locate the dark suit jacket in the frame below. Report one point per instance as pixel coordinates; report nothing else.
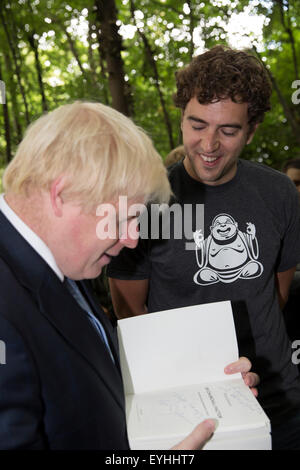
(59, 388)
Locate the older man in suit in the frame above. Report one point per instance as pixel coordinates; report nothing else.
(61, 385)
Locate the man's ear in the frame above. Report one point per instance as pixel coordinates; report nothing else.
(56, 189)
(252, 131)
(181, 118)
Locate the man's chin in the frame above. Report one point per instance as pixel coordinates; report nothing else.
(92, 273)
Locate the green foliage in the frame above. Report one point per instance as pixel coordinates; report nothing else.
(66, 37)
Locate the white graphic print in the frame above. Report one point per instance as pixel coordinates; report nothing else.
(227, 254)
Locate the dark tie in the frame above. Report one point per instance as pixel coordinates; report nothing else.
(80, 299)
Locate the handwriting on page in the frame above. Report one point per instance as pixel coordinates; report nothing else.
(184, 407)
(234, 396)
(216, 400)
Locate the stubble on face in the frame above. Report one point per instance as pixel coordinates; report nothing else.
(214, 136)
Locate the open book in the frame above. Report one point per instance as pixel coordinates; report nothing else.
(173, 370)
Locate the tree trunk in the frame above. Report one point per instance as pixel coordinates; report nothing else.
(75, 53)
(12, 93)
(192, 27)
(38, 67)
(286, 109)
(102, 86)
(153, 65)
(17, 67)
(111, 45)
(6, 124)
(287, 27)
(103, 72)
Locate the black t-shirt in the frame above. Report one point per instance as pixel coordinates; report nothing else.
(250, 231)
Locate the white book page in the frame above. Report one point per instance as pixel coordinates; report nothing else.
(175, 412)
(177, 347)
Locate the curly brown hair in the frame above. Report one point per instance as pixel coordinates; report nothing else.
(222, 73)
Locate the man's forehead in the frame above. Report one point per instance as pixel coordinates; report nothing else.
(219, 109)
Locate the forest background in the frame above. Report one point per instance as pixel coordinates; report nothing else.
(125, 53)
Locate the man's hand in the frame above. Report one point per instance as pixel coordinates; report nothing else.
(203, 432)
(198, 437)
(243, 365)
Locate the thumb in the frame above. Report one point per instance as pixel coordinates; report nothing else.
(198, 437)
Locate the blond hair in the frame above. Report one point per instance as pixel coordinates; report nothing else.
(102, 153)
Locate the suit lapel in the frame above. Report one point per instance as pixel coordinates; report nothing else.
(62, 310)
(58, 306)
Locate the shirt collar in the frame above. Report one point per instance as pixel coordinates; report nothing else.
(31, 237)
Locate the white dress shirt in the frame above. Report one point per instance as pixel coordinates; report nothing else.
(31, 237)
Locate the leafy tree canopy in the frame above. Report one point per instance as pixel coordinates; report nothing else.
(53, 52)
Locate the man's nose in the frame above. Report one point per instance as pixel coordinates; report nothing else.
(130, 235)
(129, 242)
(209, 142)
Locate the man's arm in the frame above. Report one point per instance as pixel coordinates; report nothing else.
(283, 283)
(129, 297)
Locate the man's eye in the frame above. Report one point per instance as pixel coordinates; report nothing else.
(197, 128)
(229, 134)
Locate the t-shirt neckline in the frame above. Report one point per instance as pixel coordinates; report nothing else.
(215, 188)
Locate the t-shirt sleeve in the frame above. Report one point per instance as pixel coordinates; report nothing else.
(131, 264)
(290, 247)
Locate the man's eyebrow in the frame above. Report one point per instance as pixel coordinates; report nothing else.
(201, 121)
(235, 126)
(193, 118)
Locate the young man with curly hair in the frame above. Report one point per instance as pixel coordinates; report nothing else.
(249, 244)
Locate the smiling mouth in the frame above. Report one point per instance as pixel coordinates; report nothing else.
(223, 232)
(209, 160)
